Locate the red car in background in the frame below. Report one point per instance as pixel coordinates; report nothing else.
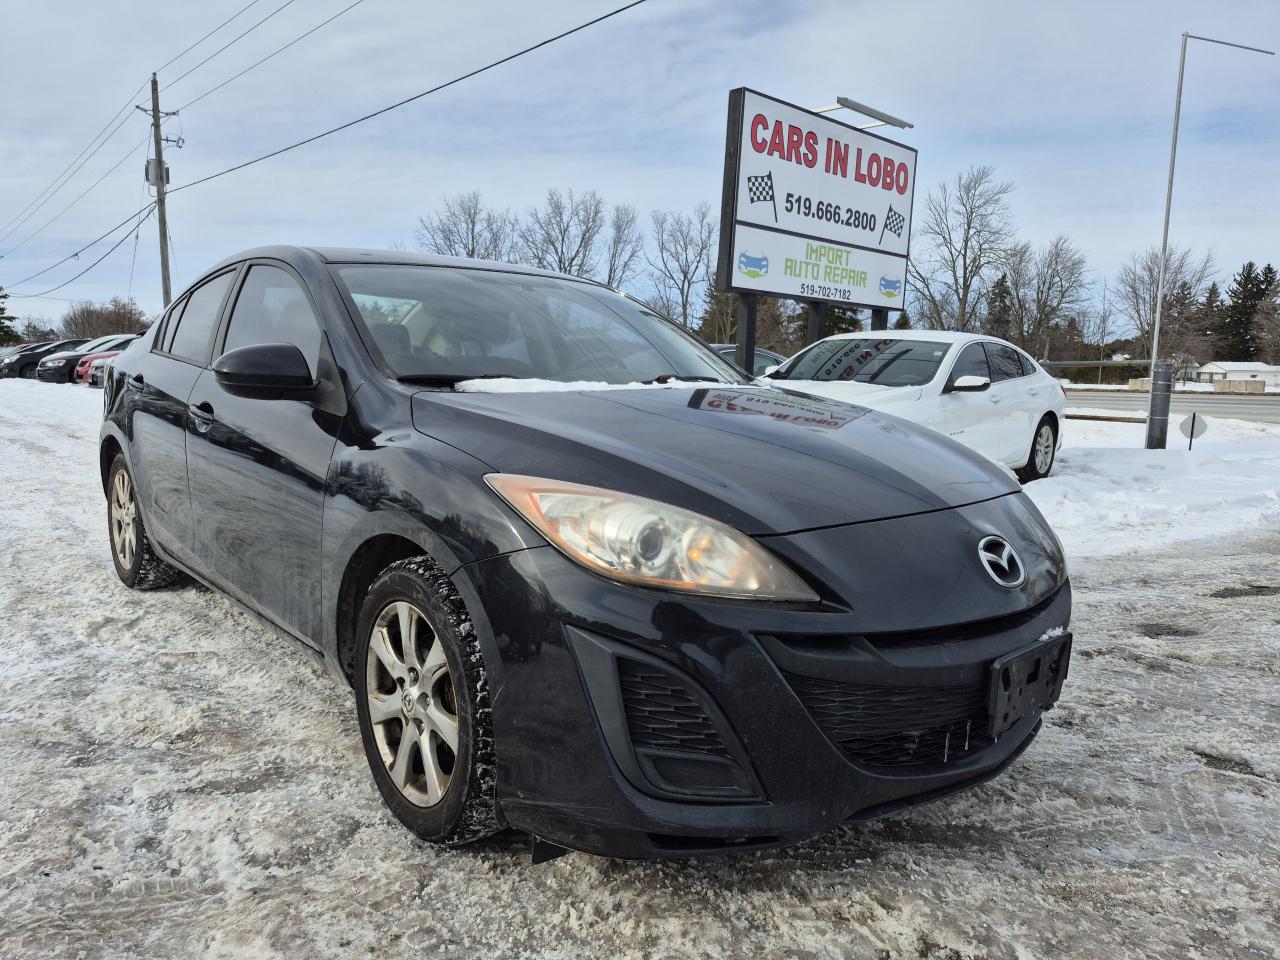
(82, 368)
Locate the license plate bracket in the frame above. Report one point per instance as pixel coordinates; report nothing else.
(1026, 680)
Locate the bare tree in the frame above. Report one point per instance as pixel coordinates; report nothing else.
(961, 238)
(1098, 323)
(464, 226)
(681, 259)
(564, 233)
(1138, 282)
(624, 246)
(92, 320)
(1048, 286)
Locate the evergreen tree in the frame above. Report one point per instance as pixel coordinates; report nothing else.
(1209, 312)
(903, 322)
(998, 320)
(843, 320)
(1235, 338)
(8, 334)
(1267, 321)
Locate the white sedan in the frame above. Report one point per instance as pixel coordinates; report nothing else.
(980, 391)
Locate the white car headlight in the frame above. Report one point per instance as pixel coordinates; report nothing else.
(647, 542)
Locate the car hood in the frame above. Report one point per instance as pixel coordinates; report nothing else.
(765, 461)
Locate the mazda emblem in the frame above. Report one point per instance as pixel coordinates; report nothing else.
(1002, 562)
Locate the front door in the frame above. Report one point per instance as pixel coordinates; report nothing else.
(258, 467)
(972, 417)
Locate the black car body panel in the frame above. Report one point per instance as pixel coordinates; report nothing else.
(282, 502)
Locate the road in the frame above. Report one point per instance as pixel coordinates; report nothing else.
(1264, 409)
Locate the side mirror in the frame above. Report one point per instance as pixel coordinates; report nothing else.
(770, 370)
(264, 371)
(969, 384)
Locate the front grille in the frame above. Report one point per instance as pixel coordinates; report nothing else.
(898, 727)
(663, 715)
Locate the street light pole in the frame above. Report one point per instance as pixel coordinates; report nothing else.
(1155, 437)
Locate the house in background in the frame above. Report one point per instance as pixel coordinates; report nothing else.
(1239, 370)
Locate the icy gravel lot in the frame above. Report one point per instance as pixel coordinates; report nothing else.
(177, 781)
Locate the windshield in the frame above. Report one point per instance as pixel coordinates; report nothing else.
(453, 324)
(883, 361)
(99, 344)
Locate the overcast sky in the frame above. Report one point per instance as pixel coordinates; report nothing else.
(1071, 101)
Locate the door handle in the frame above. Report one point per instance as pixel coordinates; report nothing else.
(202, 415)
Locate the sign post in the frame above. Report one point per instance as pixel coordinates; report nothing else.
(812, 209)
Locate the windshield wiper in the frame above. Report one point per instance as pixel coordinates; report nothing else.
(447, 379)
(668, 377)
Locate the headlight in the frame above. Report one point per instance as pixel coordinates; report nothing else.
(649, 543)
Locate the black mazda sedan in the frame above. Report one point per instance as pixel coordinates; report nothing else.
(586, 581)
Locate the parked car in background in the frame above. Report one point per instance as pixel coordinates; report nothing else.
(60, 366)
(678, 613)
(98, 370)
(25, 362)
(764, 358)
(18, 348)
(981, 391)
(81, 374)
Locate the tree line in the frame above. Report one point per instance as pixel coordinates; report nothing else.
(82, 319)
(969, 271)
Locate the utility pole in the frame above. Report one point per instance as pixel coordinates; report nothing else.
(156, 176)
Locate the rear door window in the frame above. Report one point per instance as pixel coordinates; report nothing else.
(1005, 363)
(193, 338)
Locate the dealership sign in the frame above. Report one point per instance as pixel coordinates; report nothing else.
(813, 209)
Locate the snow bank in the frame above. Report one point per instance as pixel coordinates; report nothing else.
(1109, 495)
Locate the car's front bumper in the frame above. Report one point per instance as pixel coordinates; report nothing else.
(54, 373)
(636, 723)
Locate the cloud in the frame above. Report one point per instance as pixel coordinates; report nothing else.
(1072, 102)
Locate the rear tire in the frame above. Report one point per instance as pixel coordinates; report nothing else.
(137, 564)
(1044, 449)
(422, 696)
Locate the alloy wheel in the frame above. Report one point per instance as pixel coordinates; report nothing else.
(412, 703)
(1044, 449)
(124, 512)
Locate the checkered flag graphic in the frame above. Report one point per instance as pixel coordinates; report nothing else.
(893, 222)
(760, 189)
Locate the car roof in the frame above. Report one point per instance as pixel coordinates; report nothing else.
(295, 255)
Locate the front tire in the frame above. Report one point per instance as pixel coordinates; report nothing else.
(1044, 448)
(137, 564)
(422, 697)
(28, 372)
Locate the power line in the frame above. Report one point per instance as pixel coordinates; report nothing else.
(234, 40)
(115, 246)
(203, 39)
(127, 105)
(112, 169)
(75, 254)
(416, 96)
(65, 180)
(301, 143)
(270, 55)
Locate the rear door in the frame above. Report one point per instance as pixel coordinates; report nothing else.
(972, 417)
(159, 386)
(257, 468)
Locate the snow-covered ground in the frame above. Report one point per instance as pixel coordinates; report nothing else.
(177, 781)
